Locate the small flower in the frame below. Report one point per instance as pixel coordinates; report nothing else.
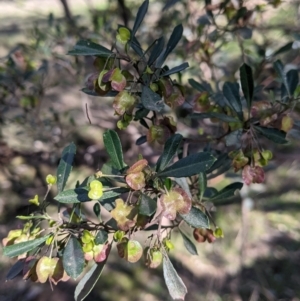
(51, 180)
(125, 215)
(252, 174)
(35, 200)
(176, 200)
(123, 35)
(124, 102)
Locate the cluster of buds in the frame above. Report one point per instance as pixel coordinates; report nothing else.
(202, 234)
(159, 133)
(92, 249)
(267, 114)
(251, 164)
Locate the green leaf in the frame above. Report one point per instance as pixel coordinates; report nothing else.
(293, 80)
(73, 258)
(141, 140)
(88, 281)
(101, 237)
(176, 69)
(278, 66)
(196, 218)
(136, 46)
(97, 209)
(197, 85)
(147, 205)
(114, 148)
(72, 196)
(189, 166)
(140, 16)
(272, 134)
(227, 192)
(113, 193)
(141, 113)
(25, 217)
(157, 50)
(247, 83)
(283, 49)
(232, 95)
(151, 100)
(170, 150)
(189, 244)
(202, 183)
(15, 270)
(173, 41)
(23, 247)
(175, 285)
(78, 195)
(65, 166)
(220, 116)
(221, 160)
(84, 47)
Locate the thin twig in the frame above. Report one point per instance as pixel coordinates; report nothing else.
(87, 113)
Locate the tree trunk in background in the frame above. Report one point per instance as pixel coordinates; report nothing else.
(67, 12)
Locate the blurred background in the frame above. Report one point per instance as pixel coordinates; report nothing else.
(42, 110)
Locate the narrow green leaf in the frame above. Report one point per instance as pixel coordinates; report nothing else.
(197, 85)
(189, 244)
(278, 66)
(293, 80)
(25, 217)
(101, 237)
(157, 50)
(97, 209)
(23, 247)
(220, 116)
(175, 285)
(140, 16)
(78, 195)
(65, 166)
(272, 134)
(141, 113)
(232, 95)
(196, 218)
(176, 69)
(227, 192)
(174, 39)
(73, 258)
(141, 140)
(84, 47)
(147, 205)
(113, 193)
(188, 166)
(221, 160)
(114, 148)
(283, 49)
(170, 150)
(151, 100)
(72, 196)
(88, 281)
(247, 83)
(15, 270)
(202, 183)
(136, 46)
